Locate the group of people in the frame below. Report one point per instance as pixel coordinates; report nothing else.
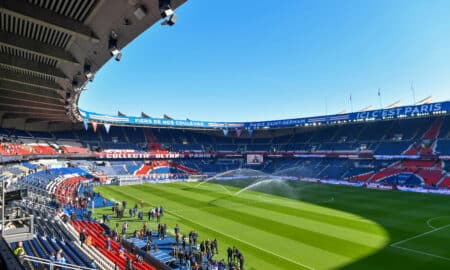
(152, 214)
(155, 213)
(235, 258)
(187, 249)
(202, 256)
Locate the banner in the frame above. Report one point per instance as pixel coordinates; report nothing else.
(107, 127)
(94, 126)
(250, 132)
(225, 131)
(238, 132)
(398, 112)
(150, 155)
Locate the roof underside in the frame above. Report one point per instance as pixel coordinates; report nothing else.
(44, 46)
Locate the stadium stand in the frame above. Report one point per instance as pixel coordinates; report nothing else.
(413, 138)
(411, 154)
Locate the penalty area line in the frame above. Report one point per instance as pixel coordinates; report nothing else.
(432, 219)
(422, 252)
(396, 244)
(420, 235)
(242, 241)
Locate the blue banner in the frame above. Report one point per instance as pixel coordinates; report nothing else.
(404, 111)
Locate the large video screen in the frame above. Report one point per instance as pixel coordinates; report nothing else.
(255, 159)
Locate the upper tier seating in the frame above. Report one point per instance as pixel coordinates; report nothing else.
(392, 148)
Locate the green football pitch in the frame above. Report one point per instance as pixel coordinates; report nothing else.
(304, 225)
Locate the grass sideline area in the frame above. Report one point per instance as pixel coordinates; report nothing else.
(304, 225)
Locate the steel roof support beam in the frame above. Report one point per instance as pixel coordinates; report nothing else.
(20, 101)
(23, 9)
(31, 90)
(36, 120)
(22, 79)
(44, 119)
(29, 95)
(36, 47)
(27, 106)
(21, 114)
(32, 66)
(34, 112)
(30, 98)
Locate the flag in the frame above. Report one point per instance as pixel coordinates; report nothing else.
(107, 127)
(86, 124)
(350, 97)
(238, 132)
(379, 93)
(250, 132)
(225, 131)
(94, 126)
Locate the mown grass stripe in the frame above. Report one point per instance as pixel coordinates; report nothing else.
(277, 214)
(342, 232)
(264, 238)
(320, 240)
(401, 214)
(244, 242)
(355, 224)
(268, 257)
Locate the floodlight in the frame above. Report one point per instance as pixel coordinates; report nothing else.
(170, 21)
(165, 8)
(88, 73)
(113, 48)
(167, 13)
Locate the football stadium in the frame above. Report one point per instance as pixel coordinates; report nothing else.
(85, 189)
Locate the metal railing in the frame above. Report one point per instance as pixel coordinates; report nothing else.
(51, 264)
(26, 226)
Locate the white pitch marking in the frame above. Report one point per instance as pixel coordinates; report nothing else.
(395, 245)
(422, 252)
(419, 235)
(431, 219)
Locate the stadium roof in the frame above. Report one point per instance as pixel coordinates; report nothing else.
(49, 48)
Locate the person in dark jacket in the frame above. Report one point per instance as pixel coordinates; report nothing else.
(82, 236)
(230, 254)
(216, 246)
(129, 264)
(241, 261)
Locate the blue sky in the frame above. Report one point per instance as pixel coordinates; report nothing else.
(234, 60)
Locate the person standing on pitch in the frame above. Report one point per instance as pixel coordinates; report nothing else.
(230, 254)
(241, 261)
(216, 246)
